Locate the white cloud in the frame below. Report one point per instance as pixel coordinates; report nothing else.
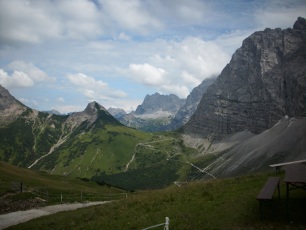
(189, 79)
(27, 21)
(279, 14)
(147, 74)
(23, 75)
(192, 10)
(181, 91)
(163, 46)
(36, 21)
(16, 80)
(31, 70)
(85, 81)
(124, 36)
(182, 65)
(130, 15)
(94, 89)
(60, 99)
(200, 58)
(79, 18)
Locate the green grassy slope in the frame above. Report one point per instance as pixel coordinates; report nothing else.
(48, 187)
(216, 204)
(102, 150)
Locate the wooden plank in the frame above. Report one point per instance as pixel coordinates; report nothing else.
(287, 163)
(295, 173)
(266, 193)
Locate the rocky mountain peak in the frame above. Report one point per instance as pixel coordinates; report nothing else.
(300, 24)
(157, 102)
(91, 114)
(10, 108)
(264, 81)
(6, 99)
(93, 107)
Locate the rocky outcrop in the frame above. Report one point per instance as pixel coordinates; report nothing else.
(264, 82)
(10, 108)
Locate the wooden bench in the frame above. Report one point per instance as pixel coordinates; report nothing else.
(267, 191)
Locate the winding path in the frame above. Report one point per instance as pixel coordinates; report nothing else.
(14, 218)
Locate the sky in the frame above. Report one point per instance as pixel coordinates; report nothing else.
(63, 54)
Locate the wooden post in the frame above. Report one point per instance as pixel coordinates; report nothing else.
(61, 197)
(20, 187)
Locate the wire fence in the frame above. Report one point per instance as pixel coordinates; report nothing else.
(75, 196)
(67, 196)
(166, 225)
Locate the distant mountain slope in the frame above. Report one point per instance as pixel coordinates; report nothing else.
(264, 81)
(186, 111)
(116, 112)
(155, 113)
(245, 152)
(53, 111)
(87, 144)
(168, 104)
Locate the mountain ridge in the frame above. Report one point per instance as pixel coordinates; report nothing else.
(154, 114)
(269, 73)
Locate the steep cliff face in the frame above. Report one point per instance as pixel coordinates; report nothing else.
(190, 106)
(264, 81)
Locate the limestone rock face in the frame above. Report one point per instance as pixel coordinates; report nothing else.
(264, 82)
(157, 102)
(190, 106)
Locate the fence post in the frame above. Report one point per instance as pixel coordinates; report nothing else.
(20, 187)
(167, 223)
(61, 197)
(81, 196)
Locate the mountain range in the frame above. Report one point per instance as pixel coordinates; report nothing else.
(163, 112)
(250, 116)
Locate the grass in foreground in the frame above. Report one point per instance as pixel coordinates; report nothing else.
(40, 188)
(217, 204)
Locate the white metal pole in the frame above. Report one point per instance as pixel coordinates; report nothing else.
(167, 223)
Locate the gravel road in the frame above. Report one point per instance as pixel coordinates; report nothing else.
(14, 218)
